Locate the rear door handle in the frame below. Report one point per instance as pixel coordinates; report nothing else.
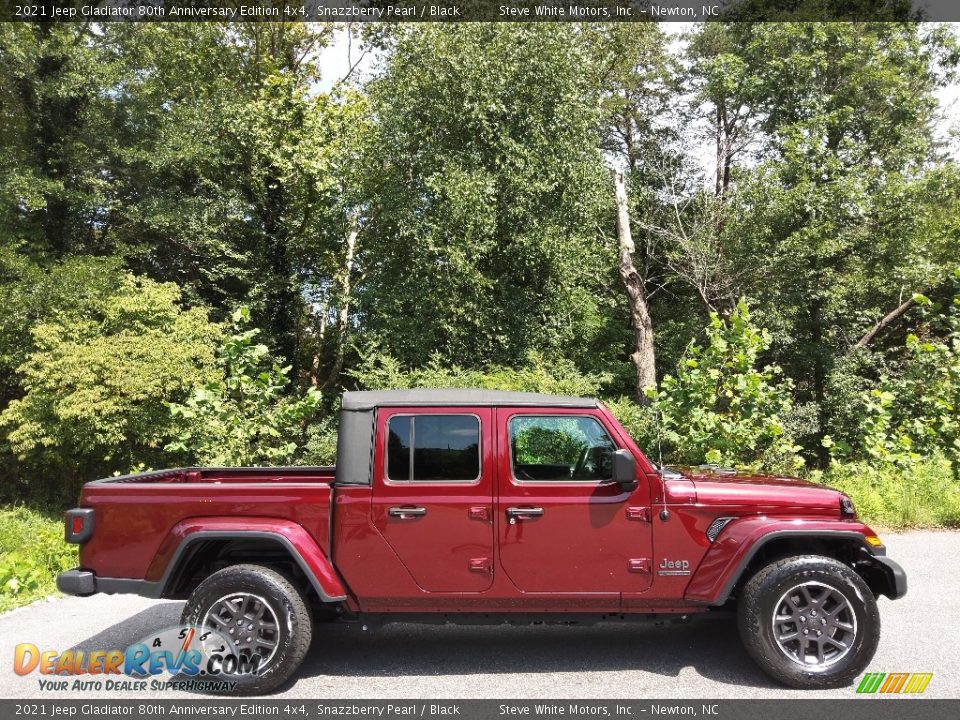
(405, 513)
(524, 513)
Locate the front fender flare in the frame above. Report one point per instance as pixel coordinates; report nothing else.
(727, 559)
(294, 538)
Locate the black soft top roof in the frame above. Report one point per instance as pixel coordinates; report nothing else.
(372, 399)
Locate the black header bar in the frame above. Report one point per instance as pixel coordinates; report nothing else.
(136, 708)
(478, 10)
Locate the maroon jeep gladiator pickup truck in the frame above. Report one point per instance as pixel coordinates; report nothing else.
(480, 506)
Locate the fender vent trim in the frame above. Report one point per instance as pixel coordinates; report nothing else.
(717, 526)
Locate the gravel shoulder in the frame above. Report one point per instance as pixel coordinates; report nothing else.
(701, 658)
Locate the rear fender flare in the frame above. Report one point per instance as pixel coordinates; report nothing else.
(301, 546)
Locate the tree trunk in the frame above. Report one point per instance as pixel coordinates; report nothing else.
(887, 319)
(643, 355)
(343, 314)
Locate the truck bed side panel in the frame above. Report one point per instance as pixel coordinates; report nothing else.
(132, 519)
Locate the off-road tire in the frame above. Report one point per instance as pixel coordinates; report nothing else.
(755, 616)
(294, 626)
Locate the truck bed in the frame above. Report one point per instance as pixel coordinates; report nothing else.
(226, 475)
(139, 519)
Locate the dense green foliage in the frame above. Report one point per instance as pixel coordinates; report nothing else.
(720, 407)
(924, 493)
(916, 413)
(243, 417)
(27, 570)
(96, 385)
(487, 187)
(450, 221)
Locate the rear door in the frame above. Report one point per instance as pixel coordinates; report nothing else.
(564, 526)
(433, 494)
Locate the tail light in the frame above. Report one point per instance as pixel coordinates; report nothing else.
(79, 525)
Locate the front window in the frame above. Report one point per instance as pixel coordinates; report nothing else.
(561, 447)
(445, 447)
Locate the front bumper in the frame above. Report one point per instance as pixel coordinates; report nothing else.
(77, 582)
(896, 578)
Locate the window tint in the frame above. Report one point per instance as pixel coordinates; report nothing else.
(398, 448)
(445, 447)
(560, 447)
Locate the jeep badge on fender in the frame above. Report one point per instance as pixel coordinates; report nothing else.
(674, 567)
(467, 504)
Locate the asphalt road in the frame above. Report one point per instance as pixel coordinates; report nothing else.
(700, 658)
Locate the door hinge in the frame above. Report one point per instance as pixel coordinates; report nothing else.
(480, 512)
(480, 565)
(639, 565)
(638, 513)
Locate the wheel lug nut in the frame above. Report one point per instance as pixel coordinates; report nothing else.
(813, 613)
(806, 632)
(250, 626)
(803, 618)
(819, 633)
(823, 621)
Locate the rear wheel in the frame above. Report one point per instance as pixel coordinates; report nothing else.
(265, 618)
(809, 622)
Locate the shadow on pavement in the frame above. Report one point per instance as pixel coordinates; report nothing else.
(134, 629)
(711, 647)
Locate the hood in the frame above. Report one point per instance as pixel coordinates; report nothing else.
(731, 488)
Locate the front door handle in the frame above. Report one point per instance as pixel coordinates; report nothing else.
(405, 513)
(524, 513)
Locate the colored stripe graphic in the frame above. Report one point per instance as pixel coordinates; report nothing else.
(894, 683)
(918, 682)
(870, 682)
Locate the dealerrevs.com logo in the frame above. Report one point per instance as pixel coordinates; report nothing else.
(178, 658)
(898, 683)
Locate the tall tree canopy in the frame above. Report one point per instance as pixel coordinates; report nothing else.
(454, 218)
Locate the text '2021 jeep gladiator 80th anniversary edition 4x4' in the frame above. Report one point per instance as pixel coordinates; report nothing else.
(474, 505)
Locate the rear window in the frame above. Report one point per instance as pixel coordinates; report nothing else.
(445, 447)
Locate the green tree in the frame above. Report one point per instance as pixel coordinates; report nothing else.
(484, 188)
(915, 413)
(97, 384)
(243, 417)
(53, 116)
(33, 293)
(845, 204)
(221, 154)
(721, 406)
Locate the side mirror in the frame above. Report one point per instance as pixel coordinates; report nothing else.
(625, 469)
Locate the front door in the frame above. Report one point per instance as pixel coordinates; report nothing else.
(564, 526)
(433, 494)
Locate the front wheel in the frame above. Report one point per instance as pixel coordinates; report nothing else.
(262, 617)
(809, 622)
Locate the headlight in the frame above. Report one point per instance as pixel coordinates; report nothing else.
(846, 507)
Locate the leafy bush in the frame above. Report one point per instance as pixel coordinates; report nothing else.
(916, 414)
(31, 293)
(561, 377)
(924, 492)
(32, 552)
(320, 447)
(243, 417)
(98, 382)
(720, 407)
